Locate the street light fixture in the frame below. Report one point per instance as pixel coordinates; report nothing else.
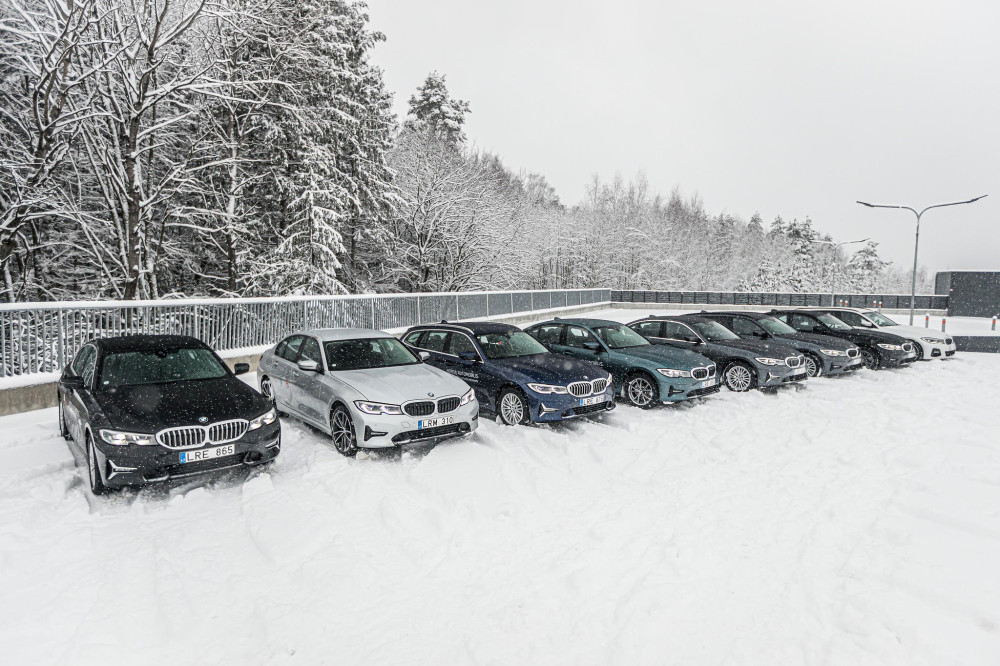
(916, 241)
(833, 279)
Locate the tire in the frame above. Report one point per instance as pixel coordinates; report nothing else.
(512, 408)
(919, 348)
(63, 430)
(740, 377)
(345, 440)
(870, 358)
(814, 366)
(641, 390)
(268, 392)
(97, 486)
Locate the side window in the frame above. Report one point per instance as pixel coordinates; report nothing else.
(88, 367)
(650, 329)
(291, 351)
(413, 339)
(279, 351)
(309, 351)
(851, 318)
(548, 334)
(435, 341)
(81, 359)
(743, 326)
(676, 331)
(461, 343)
(800, 322)
(578, 337)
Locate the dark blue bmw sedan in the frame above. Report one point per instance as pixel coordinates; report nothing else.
(514, 376)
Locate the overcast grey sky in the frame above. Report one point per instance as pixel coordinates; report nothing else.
(783, 107)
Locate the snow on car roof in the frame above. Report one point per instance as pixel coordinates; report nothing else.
(332, 334)
(127, 343)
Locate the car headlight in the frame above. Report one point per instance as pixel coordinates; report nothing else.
(770, 361)
(119, 438)
(468, 397)
(933, 341)
(376, 408)
(267, 418)
(833, 352)
(670, 372)
(548, 389)
(890, 347)
(611, 384)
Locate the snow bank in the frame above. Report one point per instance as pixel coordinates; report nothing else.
(853, 521)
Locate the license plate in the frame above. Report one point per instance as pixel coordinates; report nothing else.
(798, 371)
(208, 454)
(587, 402)
(707, 383)
(911, 354)
(434, 423)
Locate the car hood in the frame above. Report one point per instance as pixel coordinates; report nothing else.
(550, 368)
(771, 349)
(152, 407)
(914, 332)
(823, 341)
(876, 336)
(667, 356)
(398, 384)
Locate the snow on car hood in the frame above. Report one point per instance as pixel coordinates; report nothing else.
(550, 368)
(772, 349)
(827, 341)
(914, 332)
(398, 384)
(674, 357)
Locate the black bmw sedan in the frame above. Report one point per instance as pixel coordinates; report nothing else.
(148, 408)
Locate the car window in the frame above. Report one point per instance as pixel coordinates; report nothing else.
(775, 326)
(367, 353)
(651, 329)
(833, 322)
(81, 359)
(713, 330)
(462, 343)
(413, 338)
(89, 365)
(881, 319)
(853, 318)
(725, 320)
(620, 337)
(742, 326)
(676, 331)
(509, 345)
(309, 351)
(802, 323)
(435, 341)
(290, 352)
(578, 337)
(548, 334)
(160, 366)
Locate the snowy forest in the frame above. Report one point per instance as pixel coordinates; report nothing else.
(166, 148)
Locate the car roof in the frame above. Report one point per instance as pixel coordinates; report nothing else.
(127, 343)
(333, 334)
(473, 327)
(584, 321)
(753, 314)
(681, 317)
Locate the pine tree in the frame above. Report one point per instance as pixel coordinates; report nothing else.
(865, 268)
(433, 106)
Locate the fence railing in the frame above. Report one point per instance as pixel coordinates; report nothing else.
(44, 337)
(886, 301)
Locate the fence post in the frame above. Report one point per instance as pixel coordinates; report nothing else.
(61, 349)
(458, 317)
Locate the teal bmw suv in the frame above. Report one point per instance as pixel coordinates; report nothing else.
(643, 373)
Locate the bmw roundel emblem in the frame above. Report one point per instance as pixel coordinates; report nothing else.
(202, 419)
(430, 395)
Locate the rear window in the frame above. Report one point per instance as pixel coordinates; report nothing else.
(160, 366)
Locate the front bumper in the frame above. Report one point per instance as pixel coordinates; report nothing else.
(133, 465)
(677, 389)
(779, 375)
(551, 408)
(841, 365)
(383, 432)
(897, 359)
(932, 351)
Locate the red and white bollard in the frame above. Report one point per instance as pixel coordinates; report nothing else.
(927, 321)
(944, 320)
(993, 327)
(880, 306)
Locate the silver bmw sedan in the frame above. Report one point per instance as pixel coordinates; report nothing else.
(366, 389)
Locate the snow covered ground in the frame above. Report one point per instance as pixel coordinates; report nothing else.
(849, 521)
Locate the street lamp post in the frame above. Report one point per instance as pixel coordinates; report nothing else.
(833, 279)
(916, 241)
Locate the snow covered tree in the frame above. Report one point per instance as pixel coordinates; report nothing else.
(434, 107)
(865, 268)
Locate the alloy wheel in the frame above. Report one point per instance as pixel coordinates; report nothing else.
(91, 465)
(813, 369)
(511, 408)
(342, 431)
(738, 378)
(640, 391)
(265, 389)
(918, 348)
(869, 359)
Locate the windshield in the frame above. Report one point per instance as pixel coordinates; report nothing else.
(620, 337)
(713, 331)
(775, 326)
(509, 345)
(160, 366)
(880, 319)
(832, 322)
(367, 353)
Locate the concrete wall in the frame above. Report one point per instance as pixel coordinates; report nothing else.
(40, 396)
(970, 293)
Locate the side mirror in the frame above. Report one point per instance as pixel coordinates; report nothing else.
(760, 334)
(308, 365)
(73, 382)
(592, 346)
(468, 357)
(424, 356)
(241, 368)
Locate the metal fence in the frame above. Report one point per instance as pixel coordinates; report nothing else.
(43, 337)
(886, 301)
